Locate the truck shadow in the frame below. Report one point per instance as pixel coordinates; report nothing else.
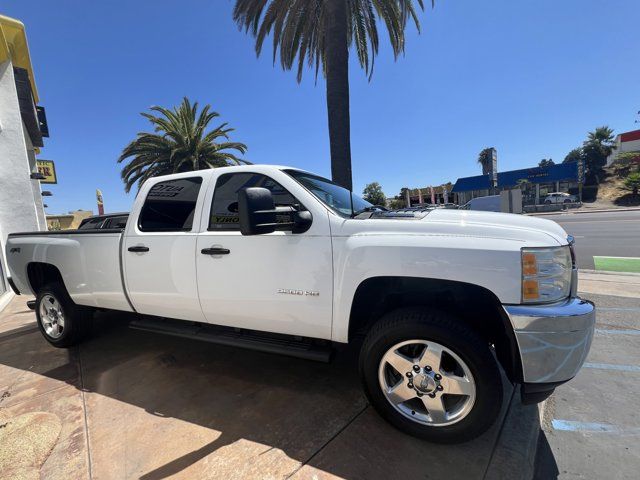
(546, 466)
(159, 406)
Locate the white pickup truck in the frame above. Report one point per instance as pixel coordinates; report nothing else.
(281, 260)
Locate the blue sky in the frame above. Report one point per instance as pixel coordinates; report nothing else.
(528, 77)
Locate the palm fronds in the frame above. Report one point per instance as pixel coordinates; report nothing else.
(298, 28)
(180, 143)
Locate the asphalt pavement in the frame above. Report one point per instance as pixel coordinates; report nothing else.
(591, 424)
(606, 234)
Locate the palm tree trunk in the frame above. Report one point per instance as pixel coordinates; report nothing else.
(337, 65)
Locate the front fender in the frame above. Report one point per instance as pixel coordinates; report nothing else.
(491, 263)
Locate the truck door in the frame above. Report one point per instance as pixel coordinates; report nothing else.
(159, 248)
(279, 282)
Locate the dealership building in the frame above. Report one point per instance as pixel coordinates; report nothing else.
(625, 142)
(536, 183)
(22, 128)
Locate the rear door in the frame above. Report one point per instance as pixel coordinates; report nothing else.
(279, 282)
(159, 250)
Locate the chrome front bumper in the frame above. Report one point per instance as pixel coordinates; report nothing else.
(554, 339)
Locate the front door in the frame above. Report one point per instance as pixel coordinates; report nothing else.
(159, 252)
(278, 282)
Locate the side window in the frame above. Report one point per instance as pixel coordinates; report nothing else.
(224, 207)
(92, 224)
(115, 222)
(170, 205)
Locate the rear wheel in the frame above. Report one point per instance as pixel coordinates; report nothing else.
(62, 322)
(431, 376)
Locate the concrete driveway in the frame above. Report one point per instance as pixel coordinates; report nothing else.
(132, 404)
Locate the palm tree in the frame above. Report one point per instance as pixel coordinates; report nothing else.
(598, 146)
(319, 34)
(180, 143)
(485, 159)
(603, 138)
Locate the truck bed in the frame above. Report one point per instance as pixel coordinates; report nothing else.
(88, 261)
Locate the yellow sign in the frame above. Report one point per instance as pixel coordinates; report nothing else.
(48, 169)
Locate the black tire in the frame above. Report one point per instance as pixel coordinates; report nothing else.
(77, 319)
(547, 202)
(436, 326)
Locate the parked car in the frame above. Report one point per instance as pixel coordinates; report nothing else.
(283, 261)
(484, 204)
(107, 221)
(560, 197)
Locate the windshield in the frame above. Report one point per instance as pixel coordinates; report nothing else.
(334, 196)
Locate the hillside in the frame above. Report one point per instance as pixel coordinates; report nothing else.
(611, 193)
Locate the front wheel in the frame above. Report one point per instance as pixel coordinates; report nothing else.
(62, 322)
(431, 376)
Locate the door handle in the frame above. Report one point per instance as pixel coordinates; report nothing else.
(215, 251)
(139, 248)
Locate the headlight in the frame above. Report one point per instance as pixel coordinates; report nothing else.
(546, 274)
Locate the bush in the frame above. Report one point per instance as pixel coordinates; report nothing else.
(589, 193)
(632, 182)
(625, 163)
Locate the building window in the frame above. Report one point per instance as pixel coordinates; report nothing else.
(547, 188)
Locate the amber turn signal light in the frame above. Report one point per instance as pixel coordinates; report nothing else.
(529, 264)
(530, 290)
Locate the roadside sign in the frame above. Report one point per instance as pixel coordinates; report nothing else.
(99, 201)
(580, 167)
(48, 169)
(494, 168)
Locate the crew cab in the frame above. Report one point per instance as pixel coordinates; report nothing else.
(273, 258)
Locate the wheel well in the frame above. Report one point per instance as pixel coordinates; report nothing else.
(40, 274)
(478, 307)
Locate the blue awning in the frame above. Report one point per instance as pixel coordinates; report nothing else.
(554, 173)
(467, 184)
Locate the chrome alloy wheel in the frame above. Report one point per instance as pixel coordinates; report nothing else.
(51, 316)
(427, 382)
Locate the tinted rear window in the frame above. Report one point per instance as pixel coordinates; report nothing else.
(170, 205)
(116, 222)
(91, 224)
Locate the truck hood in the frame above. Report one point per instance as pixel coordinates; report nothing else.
(520, 225)
(525, 230)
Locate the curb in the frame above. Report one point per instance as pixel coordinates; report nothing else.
(595, 210)
(608, 272)
(514, 456)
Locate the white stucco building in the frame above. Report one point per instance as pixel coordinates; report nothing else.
(625, 142)
(21, 132)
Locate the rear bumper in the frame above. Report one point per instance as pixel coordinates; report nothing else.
(553, 340)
